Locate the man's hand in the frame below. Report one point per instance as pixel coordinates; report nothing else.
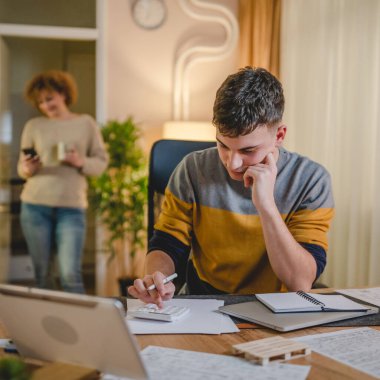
(30, 165)
(262, 177)
(162, 292)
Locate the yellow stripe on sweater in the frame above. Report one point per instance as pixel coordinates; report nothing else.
(229, 249)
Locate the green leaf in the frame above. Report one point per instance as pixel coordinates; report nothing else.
(119, 195)
(13, 369)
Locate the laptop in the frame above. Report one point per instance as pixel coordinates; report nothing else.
(255, 311)
(77, 329)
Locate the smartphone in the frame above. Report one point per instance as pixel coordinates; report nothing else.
(30, 151)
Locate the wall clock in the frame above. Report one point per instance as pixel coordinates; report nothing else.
(149, 14)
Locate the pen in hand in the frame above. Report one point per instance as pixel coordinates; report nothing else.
(166, 280)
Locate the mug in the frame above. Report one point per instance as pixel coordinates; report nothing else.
(61, 151)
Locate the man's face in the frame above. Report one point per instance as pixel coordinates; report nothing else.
(238, 153)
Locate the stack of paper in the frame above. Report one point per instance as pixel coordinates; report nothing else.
(370, 295)
(358, 348)
(203, 318)
(172, 364)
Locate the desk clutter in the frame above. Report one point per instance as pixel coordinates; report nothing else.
(257, 312)
(78, 316)
(274, 349)
(369, 318)
(200, 318)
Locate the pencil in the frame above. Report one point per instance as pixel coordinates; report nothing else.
(166, 280)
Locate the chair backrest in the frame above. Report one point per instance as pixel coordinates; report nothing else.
(165, 155)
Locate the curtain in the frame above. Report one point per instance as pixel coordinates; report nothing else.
(259, 22)
(330, 69)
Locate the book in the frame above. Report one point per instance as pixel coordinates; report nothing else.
(300, 301)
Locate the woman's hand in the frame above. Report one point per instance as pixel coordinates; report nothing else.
(29, 164)
(73, 158)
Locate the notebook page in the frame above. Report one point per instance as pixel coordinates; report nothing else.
(287, 302)
(298, 302)
(338, 302)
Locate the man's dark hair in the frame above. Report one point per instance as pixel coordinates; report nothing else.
(247, 99)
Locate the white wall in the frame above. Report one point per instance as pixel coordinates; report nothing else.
(330, 64)
(140, 66)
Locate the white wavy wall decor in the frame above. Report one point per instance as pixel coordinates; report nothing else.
(192, 52)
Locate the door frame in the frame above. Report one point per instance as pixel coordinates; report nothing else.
(70, 33)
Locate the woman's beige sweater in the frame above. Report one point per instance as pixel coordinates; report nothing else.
(56, 184)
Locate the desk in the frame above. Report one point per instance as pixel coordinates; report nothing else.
(321, 367)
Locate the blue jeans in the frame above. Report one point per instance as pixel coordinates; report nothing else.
(42, 225)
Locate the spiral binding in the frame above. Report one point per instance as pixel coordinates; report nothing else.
(310, 298)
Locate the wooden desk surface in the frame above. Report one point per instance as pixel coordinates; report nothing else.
(321, 367)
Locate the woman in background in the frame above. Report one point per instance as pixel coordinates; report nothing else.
(58, 150)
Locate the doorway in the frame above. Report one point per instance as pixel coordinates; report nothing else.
(24, 51)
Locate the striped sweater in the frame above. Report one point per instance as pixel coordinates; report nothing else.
(209, 219)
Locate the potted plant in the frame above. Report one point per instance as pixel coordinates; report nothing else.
(12, 368)
(119, 197)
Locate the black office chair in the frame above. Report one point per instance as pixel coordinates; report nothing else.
(165, 155)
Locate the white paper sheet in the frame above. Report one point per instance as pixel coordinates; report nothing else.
(358, 348)
(370, 295)
(203, 318)
(4, 343)
(172, 364)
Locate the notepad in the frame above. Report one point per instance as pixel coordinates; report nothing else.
(303, 302)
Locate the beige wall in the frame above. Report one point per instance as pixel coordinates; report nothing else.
(139, 66)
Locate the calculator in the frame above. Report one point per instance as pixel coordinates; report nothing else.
(168, 313)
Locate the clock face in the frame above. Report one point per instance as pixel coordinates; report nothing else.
(149, 14)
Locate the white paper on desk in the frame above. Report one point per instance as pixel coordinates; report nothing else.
(173, 364)
(370, 295)
(203, 318)
(4, 343)
(358, 348)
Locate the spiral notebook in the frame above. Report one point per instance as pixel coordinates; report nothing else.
(293, 302)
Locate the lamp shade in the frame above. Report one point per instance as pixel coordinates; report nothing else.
(189, 130)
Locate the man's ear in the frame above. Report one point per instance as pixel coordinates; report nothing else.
(280, 135)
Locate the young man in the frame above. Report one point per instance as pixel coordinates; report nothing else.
(254, 216)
